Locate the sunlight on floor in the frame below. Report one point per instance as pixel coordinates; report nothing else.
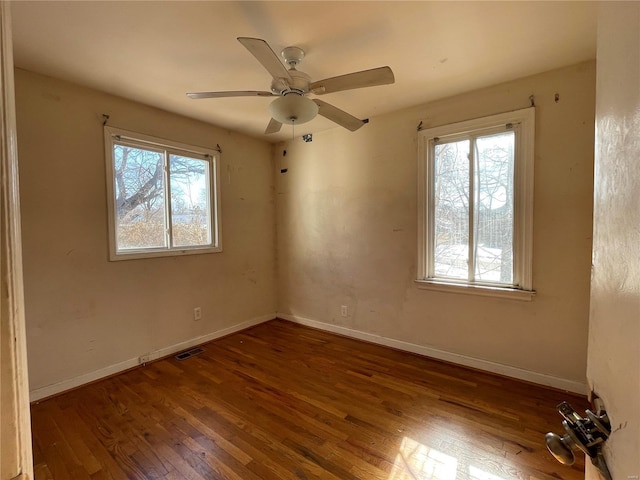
(416, 461)
(477, 474)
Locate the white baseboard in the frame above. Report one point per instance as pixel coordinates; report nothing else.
(49, 390)
(486, 365)
(509, 371)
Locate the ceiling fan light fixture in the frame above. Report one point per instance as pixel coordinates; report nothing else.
(293, 109)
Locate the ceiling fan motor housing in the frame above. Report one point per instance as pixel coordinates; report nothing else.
(299, 84)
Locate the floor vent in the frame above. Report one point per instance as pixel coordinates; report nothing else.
(190, 353)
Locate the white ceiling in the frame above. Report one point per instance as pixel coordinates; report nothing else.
(153, 52)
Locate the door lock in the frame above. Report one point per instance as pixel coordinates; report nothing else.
(588, 434)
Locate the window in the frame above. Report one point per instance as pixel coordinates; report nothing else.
(476, 204)
(163, 197)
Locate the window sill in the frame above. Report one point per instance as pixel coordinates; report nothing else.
(138, 254)
(482, 290)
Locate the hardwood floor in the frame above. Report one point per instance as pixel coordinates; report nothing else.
(282, 401)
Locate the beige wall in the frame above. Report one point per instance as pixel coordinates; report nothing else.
(87, 316)
(614, 328)
(346, 223)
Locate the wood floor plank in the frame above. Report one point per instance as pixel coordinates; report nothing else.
(286, 402)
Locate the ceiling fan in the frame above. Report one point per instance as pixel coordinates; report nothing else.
(292, 86)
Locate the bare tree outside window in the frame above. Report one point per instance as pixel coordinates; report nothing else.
(494, 207)
(142, 217)
(139, 182)
(473, 208)
(189, 201)
(451, 209)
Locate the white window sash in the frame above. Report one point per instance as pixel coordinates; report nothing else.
(522, 123)
(115, 136)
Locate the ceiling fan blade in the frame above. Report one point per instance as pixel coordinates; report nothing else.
(273, 127)
(338, 116)
(365, 78)
(267, 57)
(247, 93)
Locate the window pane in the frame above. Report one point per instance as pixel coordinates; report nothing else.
(451, 210)
(139, 186)
(190, 204)
(494, 208)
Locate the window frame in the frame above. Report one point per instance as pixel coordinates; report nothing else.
(523, 124)
(117, 136)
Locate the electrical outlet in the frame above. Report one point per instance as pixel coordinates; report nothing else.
(344, 310)
(144, 359)
(197, 313)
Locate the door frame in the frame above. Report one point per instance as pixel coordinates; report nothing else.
(16, 454)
